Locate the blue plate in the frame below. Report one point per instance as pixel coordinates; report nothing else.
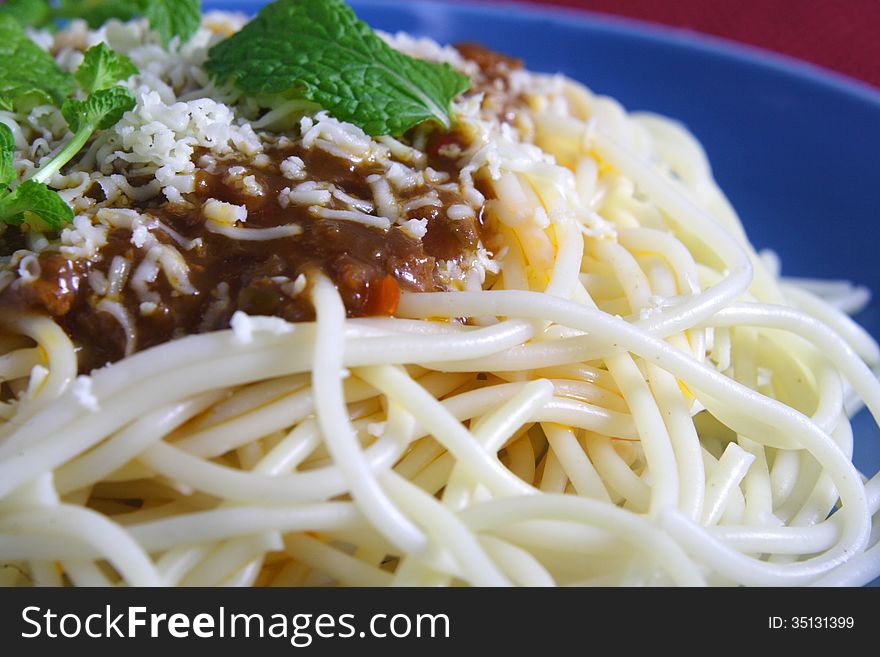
(795, 148)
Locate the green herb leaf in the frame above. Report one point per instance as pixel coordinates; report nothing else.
(101, 110)
(97, 12)
(102, 68)
(27, 12)
(36, 204)
(7, 151)
(321, 49)
(171, 18)
(27, 72)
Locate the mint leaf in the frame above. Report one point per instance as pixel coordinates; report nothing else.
(7, 151)
(101, 110)
(171, 18)
(36, 204)
(27, 12)
(31, 201)
(102, 68)
(97, 12)
(27, 72)
(329, 56)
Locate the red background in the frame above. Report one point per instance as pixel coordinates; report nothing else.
(842, 35)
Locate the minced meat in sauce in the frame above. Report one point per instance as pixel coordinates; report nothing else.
(368, 265)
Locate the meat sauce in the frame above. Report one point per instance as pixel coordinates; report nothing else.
(369, 266)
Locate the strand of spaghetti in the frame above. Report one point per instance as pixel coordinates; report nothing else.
(552, 477)
(99, 462)
(841, 323)
(534, 355)
(651, 240)
(860, 570)
(634, 530)
(756, 484)
(653, 436)
(339, 436)
(574, 461)
(734, 504)
(830, 402)
(872, 492)
(228, 558)
(342, 567)
(19, 363)
(548, 536)
(89, 528)
(60, 360)
(45, 574)
(445, 428)
(230, 483)
(730, 563)
(292, 450)
(728, 473)
(683, 438)
(213, 525)
(808, 474)
(521, 567)
(35, 547)
(247, 575)
(635, 284)
(566, 267)
(445, 529)
(246, 398)
(616, 473)
(778, 540)
(820, 502)
(436, 348)
(493, 430)
(283, 412)
(411, 572)
(85, 573)
(176, 562)
(822, 496)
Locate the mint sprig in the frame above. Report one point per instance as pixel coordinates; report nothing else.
(105, 104)
(322, 51)
(170, 18)
(31, 201)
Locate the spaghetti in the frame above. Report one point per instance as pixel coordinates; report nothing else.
(608, 387)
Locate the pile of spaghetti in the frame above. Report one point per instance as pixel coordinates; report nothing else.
(557, 360)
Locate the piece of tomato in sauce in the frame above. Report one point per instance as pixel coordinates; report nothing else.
(383, 296)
